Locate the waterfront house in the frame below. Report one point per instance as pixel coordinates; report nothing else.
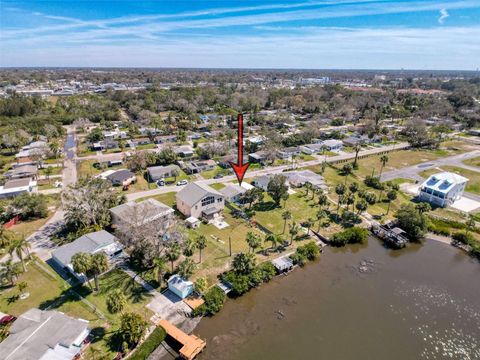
(442, 189)
(179, 286)
(45, 334)
(200, 201)
(92, 243)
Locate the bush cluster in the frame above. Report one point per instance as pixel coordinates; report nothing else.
(353, 235)
(304, 253)
(241, 283)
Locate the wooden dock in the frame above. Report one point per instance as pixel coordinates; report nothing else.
(192, 345)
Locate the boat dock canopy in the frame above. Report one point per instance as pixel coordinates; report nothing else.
(283, 264)
(192, 345)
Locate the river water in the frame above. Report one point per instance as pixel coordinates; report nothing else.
(362, 302)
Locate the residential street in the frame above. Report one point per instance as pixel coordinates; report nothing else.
(412, 172)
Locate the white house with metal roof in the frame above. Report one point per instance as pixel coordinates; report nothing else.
(442, 189)
(200, 201)
(179, 286)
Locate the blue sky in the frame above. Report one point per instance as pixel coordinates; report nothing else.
(368, 34)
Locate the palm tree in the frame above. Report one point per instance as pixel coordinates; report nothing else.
(21, 245)
(201, 244)
(173, 253)
(383, 161)
(320, 215)
(273, 239)
(253, 241)
(347, 170)
(10, 271)
(243, 263)
(82, 263)
(159, 266)
(309, 223)
(294, 229)
(6, 237)
(470, 223)
(189, 246)
(99, 266)
(357, 148)
(391, 195)
(186, 268)
(340, 189)
(48, 172)
(286, 215)
(322, 199)
(308, 186)
(349, 199)
(174, 173)
(361, 206)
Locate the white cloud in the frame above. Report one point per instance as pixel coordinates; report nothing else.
(443, 15)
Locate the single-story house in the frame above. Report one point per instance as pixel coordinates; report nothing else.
(442, 189)
(311, 149)
(23, 171)
(353, 141)
(300, 178)
(138, 214)
(142, 141)
(43, 335)
(165, 139)
(156, 173)
(200, 201)
(257, 140)
(287, 153)
(184, 151)
(18, 186)
(261, 182)
(259, 157)
(92, 243)
(332, 145)
(232, 192)
(104, 144)
(179, 286)
(122, 177)
(283, 264)
(196, 167)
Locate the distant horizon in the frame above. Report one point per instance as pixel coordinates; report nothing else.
(230, 68)
(282, 34)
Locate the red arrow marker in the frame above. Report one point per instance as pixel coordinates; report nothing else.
(240, 168)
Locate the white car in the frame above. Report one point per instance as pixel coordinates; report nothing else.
(182, 182)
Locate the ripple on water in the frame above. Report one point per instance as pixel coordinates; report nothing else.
(456, 338)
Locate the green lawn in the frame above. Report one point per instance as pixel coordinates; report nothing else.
(167, 198)
(215, 258)
(211, 173)
(117, 279)
(57, 170)
(473, 162)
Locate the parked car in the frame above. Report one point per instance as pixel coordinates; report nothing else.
(182, 182)
(6, 319)
(218, 176)
(161, 182)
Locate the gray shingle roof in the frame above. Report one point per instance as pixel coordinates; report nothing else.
(120, 175)
(194, 192)
(144, 211)
(88, 243)
(37, 332)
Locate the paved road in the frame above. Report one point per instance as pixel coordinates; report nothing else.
(412, 172)
(269, 170)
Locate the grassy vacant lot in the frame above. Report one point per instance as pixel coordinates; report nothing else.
(215, 258)
(211, 173)
(473, 184)
(137, 296)
(473, 162)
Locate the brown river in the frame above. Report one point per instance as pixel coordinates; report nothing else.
(362, 303)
